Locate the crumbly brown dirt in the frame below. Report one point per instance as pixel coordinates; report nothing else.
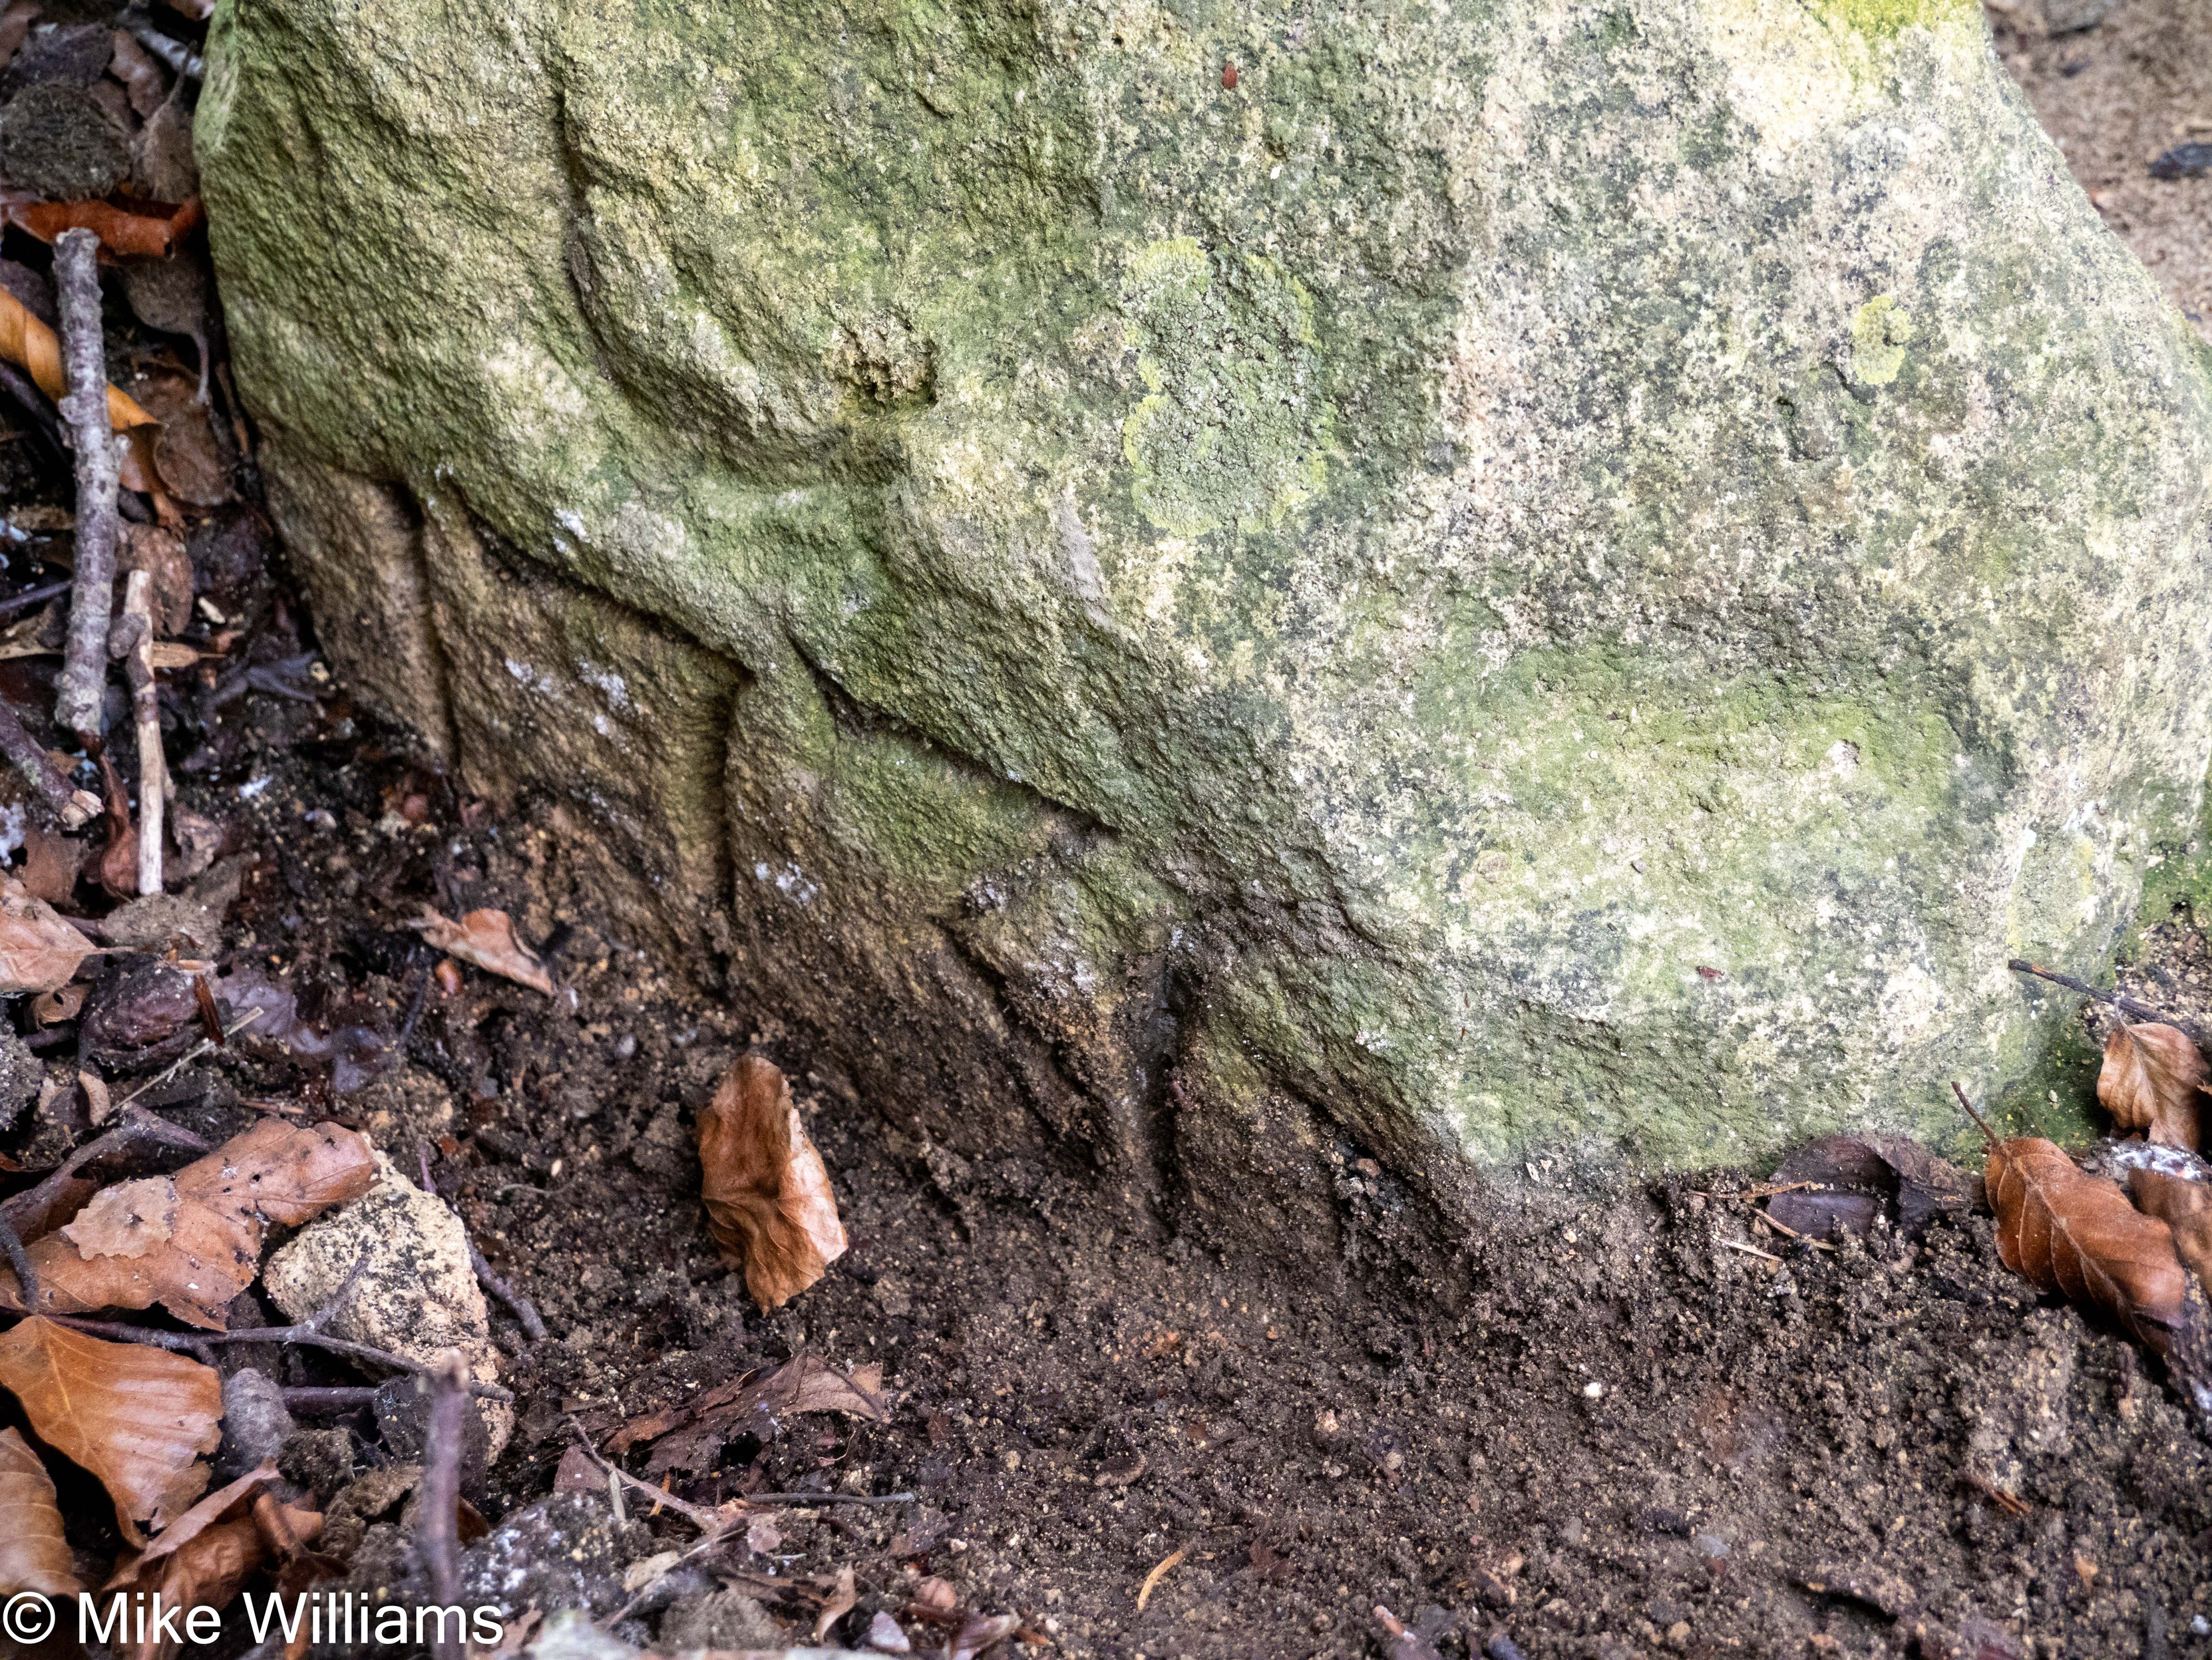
(2116, 97)
(1643, 1424)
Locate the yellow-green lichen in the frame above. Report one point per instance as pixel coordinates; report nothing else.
(1881, 330)
(1879, 19)
(1234, 429)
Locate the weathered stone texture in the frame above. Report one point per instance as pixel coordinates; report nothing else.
(1532, 575)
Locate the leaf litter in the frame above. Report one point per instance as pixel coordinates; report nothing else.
(769, 1203)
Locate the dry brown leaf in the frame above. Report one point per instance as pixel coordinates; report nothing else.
(160, 553)
(40, 949)
(835, 1606)
(2186, 1208)
(767, 1197)
(2149, 1081)
(33, 1555)
(192, 1241)
(486, 939)
(139, 72)
(16, 22)
(225, 1504)
(50, 863)
(65, 1003)
(98, 1101)
(1844, 1182)
(150, 230)
(32, 346)
(205, 1555)
(206, 1569)
(138, 1418)
(35, 1221)
(2068, 1232)
(753, 1404)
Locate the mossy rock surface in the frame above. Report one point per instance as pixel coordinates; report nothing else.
(1527, 582)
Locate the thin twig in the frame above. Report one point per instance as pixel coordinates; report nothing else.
(205, 1046)
(1159, 1572)
(134, 1123)
(20, 387)
(30, 596)
(828, 1498)
(2121, 1000)
(699, 1548)
(438, 1534)
(520, 1305)
(1757, 1192)
(1802, 1239)
(524, 1310)
(84, 662)
(342, 1398)
(1966, 1106)
(705, 1520)
(146, 707)
(1749, 1251)
(191, 1343)
(75, 808)
(27, 1277)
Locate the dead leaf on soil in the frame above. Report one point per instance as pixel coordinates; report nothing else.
(979, 1632)
(50, 863)
(2186, 1208)
(2149, 1081)
(1857, 1178)
(146, 230)
(2064, 1231)
(63, 1003)
(33, 1555)
(192, 1241)
(140, 74)
(160, 553)
(486, 939)
(138, 1418)
(768, 1198)
(40, 951)
(208, 1553)
(837, 1605)
(223, 1505)
(687, 1438)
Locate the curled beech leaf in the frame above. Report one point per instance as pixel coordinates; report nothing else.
(33, 1555)
(137, 1418)
(2075, 1233)
(767, 1197)
(2184, 1205)
(39, 949)
(486, 938)
(2149, 1081)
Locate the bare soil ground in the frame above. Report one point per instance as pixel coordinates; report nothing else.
(2116, 97)
(1638, 1424)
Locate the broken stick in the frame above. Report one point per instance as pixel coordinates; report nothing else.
(2121, 1000)
(84, 662)
(439, 1531)
(75, 808)
(137, 638)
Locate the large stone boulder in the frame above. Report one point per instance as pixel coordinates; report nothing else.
(1255, 583)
